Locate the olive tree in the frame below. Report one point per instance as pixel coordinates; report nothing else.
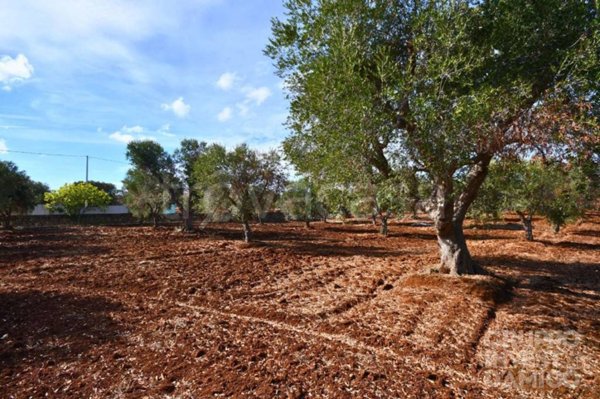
(384, 198)
(299, 201)
(557, 192)
(145, 196)
(185, 158)
(149, 160)
(18, 193)
(445, 86)
(243, 182)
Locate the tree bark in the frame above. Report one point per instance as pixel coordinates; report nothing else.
(555, 228)
(155, 221)
(247, 231)
(384, 226)
(188, 215)
(374, 219)
(455, 257)
(449, 214)
(526, 220)
(307, 223)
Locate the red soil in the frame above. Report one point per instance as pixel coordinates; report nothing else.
(335, 311)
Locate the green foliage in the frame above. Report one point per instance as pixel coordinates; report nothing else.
(241, 182)
(441, 86)
(299, 201)
(150, 158)
(489, 203)
(73, 199)
(145, 197)
(108, 188)
(384, 198)
(437, 85)
(185, 157)
(18, 193)
(337, 199)
(553, 190)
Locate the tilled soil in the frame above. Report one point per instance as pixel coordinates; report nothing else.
(335, 311)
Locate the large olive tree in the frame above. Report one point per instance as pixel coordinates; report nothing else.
(444, 86)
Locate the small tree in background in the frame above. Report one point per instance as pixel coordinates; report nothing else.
(337, 199)
(299, 202)
(185, 157)
(149, 159)
(73, 199)
(242, 181)
(144, 196)
(18, 193)
(555, 191)
(108, 188)
(381, 200)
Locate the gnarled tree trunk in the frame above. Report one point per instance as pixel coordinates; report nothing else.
(448, 214)
(455, 257)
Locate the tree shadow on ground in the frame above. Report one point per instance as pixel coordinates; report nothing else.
(572, 245)
(235, 233)
(46, 250)
(36, 243)
(322, 249)
(42, 328)
(547, 276)
(553, 296)
(588, 233)
(498, 226)
(353, 229)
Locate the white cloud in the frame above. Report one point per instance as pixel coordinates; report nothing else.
(179, 108)
(129, 133)
(3, 147)
(243, 108)
(14, 70)
(225, 114)
(122, 138)
(227, 80)
(258, 95)
(133, 129)
(165, 130)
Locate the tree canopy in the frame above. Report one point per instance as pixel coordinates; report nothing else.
(443, 86)
(242, 182)
(18, 193)
(73, 199)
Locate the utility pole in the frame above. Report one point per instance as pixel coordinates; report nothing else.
(87, 167)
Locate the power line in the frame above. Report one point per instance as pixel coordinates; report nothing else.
(66, 155)
(108, 160)
(46, 154)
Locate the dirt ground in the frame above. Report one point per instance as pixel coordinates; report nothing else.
(332, 312)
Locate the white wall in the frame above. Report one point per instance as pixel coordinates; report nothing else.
(41, 210)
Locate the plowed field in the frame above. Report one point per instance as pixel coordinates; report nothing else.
(332, 312)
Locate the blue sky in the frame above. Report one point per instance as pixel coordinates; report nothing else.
(84, 77)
